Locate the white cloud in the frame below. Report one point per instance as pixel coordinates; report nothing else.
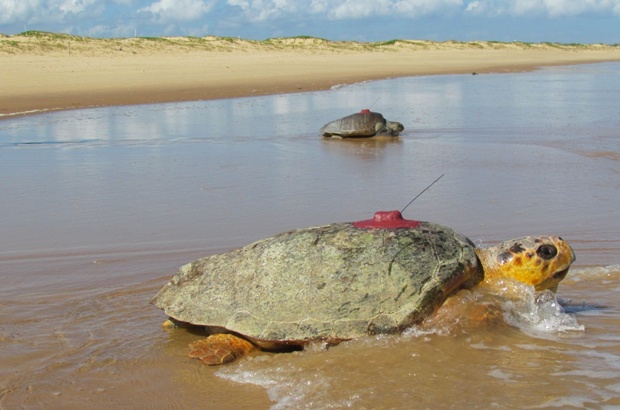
(262, 10)
(549, 8)
(165, 11)
(414, 8)
(17, 10)
(75, 6)
(558, 8)
(245, 5)
(39, 11)
(355, 9)
(318, 6)
(269, 17)
(475, 7)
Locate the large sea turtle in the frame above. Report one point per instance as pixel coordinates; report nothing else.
(342, 281)
(362, 124)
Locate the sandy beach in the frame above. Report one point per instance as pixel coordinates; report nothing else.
(45, 71)
(101, 206)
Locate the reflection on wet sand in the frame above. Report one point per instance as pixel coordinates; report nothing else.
(93, 226)
(363, 148)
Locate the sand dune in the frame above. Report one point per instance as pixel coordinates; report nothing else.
(47, 71)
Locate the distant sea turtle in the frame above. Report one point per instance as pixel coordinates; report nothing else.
(342, 281)
(362, 124)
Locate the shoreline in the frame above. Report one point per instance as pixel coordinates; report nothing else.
(47, 72)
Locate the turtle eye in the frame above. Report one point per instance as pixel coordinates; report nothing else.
(547, 252)
(504, 257)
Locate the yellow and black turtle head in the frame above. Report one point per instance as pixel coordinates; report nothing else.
(540, 261)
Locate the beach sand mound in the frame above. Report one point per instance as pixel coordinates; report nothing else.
(44, 43)
(52, 71)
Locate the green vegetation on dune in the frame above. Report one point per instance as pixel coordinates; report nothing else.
(39, 42)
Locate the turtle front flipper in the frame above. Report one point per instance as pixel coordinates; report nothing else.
(220, 348)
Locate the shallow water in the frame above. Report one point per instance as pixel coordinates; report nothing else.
(99, 207)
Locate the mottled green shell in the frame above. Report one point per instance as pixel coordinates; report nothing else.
(329, 282)
(355, 125)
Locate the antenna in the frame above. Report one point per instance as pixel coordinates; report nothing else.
(424, 190)
(374, 102)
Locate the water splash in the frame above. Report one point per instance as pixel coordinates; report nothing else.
(540, 314)
(504, 303)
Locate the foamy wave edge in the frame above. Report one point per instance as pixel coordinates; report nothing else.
(577, 274)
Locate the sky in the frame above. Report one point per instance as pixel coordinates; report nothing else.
(562, 21)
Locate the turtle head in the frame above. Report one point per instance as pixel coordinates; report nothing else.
(394, 127)
(389, 128)
(540, 261)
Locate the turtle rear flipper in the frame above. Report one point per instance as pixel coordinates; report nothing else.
(220, 349)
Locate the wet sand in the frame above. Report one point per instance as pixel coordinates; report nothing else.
(101, 206)
(57, 72)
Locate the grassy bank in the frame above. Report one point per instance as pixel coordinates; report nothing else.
(39, 43)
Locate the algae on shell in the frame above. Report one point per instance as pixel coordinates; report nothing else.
(328, 282)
